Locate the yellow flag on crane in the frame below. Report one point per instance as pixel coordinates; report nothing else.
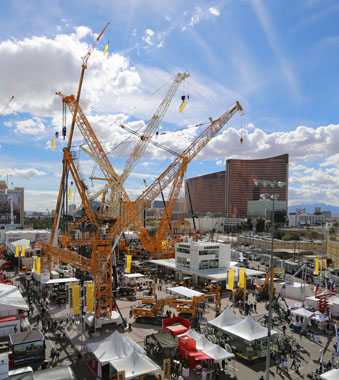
(106, 48)
(230, 284)
(182, 107)
(53, 145)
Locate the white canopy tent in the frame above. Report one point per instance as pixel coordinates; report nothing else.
(207, 347)
(113, 347)
(133, 275)
(248, 329)
(226, 318)
(333, 374)
(302, 312)
(11, 297)
(186, 292)
(319, 317)
(218, 353)
(12, 246)
(122, 353)
(135, 365)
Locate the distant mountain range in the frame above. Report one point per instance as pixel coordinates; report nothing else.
(310, 207)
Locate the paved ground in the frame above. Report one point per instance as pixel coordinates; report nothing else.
(76, 340)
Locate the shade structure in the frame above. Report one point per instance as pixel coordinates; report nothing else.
(248, 330)
(135, 365)
(114, 347)
(11, 297)
(133, 275)
(186, 292)
(333, 374)
(302, 312)
(218, 353)
(226, 318)
(165, 339)
(319, 317)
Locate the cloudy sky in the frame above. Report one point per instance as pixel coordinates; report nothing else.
(277, 58)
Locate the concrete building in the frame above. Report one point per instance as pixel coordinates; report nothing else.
(31, 235)
(304, 219)
(333, 250)
(11, 206)
(202, 255)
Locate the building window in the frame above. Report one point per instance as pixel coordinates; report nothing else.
(209, 264)
(183, 250)
(214, 252)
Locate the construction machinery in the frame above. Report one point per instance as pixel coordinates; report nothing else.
(149, 296)
(191, 309)
(240, 293)
(262, 292)
(153, 313)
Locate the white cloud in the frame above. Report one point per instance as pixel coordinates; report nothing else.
(219, 162)
(214, 11)
(83, 31)
(35, 68)
(30, 127)
(22, 173)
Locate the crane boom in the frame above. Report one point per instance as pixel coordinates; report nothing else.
(143, 201)
(97, 153)
(152, 126)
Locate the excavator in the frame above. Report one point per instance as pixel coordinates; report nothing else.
(149, 297)
(153, 314)
(189, 310)
(262, 292)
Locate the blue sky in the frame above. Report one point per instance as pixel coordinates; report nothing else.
(279, 59)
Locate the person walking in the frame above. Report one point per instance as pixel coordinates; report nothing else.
(293, 365)
(297, 366)
(57, 354)
(53, 353)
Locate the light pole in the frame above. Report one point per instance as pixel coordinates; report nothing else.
(273, 197)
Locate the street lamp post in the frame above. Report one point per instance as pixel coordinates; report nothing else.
(273, 197)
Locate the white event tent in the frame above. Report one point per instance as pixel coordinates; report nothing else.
(319, 317)
(186, 292)
(226, 318)
(123, 354)
(302, 312)
(248, 329)
(207, 347)
(333, 374)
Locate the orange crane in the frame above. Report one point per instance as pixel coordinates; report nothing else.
(262, 291)
(192, 308)
(174, 169)
(62, 196)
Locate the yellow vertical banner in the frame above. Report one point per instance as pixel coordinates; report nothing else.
(38, 267)
(16, 251)
(325, 264)
(121, 375)
(321, 264)
(70, 194)
(166, 367)
(230, 284)
(242, 277)
(316, 267)
(23, 251)
(128, 264)
(90, 298)
(33, 262)
(53, 145)
(76, 299)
